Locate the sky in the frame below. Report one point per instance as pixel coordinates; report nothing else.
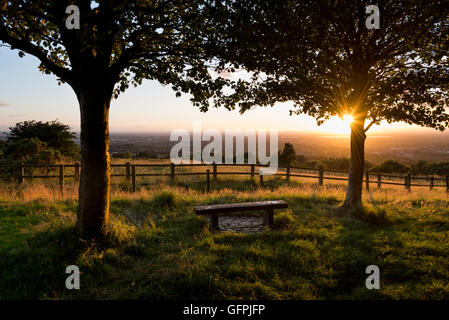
(27, 94)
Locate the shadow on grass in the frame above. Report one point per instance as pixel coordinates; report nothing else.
(170, 254)
(412, 262)
(37, 269)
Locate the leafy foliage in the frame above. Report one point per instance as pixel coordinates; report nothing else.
(321, 56)
(146, 155)
(430, 168)
(53, 134)
(24, 149)
(122, 155)
(2, 148)
(391, 166)
(288, 155)
(119, 43)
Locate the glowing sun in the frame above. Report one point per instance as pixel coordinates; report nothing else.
(338, 125)
(347, 119)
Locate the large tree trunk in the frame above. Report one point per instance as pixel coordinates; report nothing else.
(93, 206)
(355, 183)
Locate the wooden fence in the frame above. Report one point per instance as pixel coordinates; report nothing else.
(131, 173)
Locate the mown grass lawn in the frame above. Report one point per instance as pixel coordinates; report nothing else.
(157, 248)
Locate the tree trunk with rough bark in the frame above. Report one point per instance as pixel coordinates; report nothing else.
(93, 206)
(356, 167)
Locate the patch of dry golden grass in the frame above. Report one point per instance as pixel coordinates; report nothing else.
(386, 195)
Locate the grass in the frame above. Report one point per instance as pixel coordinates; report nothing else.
(157, 248)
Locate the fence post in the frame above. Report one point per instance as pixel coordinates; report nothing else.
(61, 180)
(367, 180)
(431, 183)
(447, 184)
(408, 182)
(133, 171)
(252, 171)
(288, 173)
(208, 181)
(320, 176)
(379, 180)
(77, 172)
(172, 172)
(261, 179)
(214, 168)
(21, 174)
(128, 171)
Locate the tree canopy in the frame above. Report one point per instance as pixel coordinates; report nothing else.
(2, 148)
(128, 40)
(391, 166)
(53, 134)
(288, 155)
(321, 56)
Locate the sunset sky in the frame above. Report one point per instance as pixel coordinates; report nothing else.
(26, 94)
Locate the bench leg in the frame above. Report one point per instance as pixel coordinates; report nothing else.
(268, 218)
(214, 222)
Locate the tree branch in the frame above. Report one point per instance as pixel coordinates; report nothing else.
(370, 125)
(34, 50)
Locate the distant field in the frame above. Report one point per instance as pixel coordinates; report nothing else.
(405, 146)
(157, 248)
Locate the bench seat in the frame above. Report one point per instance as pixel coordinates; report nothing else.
(214, 209)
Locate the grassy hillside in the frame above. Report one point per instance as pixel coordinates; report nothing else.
(157, 248)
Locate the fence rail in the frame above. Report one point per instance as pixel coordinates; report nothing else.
(131, 174)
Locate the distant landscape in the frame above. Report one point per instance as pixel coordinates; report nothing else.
(404, 147)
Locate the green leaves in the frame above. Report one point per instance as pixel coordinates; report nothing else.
(53, 134)
(121, 42)
(320, 55)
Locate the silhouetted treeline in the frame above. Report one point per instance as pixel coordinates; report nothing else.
(288, 156)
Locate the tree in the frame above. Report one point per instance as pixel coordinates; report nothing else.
(288, 155)
(122, 155)
(118, 43)
(391, 166)
(146, 155)
(24, 149)
(54, 134)
(2, 148)
(322, 56)
(420, 167)
(300, 158)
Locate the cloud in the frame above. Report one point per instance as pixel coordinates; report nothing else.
(4, 104)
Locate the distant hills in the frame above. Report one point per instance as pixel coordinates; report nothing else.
(405, 147)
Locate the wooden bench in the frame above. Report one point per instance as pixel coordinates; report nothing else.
(215, 209)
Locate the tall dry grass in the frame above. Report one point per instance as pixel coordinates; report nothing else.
(36, 190)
